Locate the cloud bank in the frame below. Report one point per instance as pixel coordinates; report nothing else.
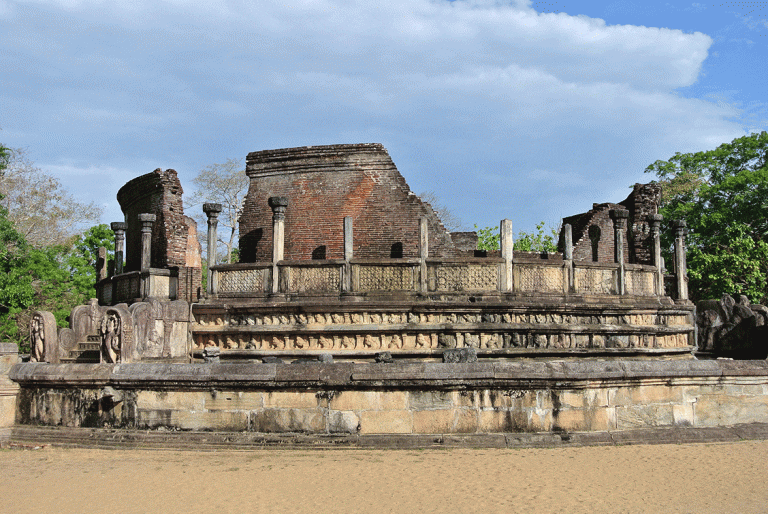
(502, 111)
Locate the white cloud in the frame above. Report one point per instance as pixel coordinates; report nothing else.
(480, 97)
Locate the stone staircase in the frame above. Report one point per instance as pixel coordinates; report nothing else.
(85, 351)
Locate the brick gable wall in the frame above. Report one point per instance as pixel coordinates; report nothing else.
(324, 184)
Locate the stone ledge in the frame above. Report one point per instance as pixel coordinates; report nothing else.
(251, 375)
(212, 441)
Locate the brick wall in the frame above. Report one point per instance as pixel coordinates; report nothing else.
(174, 241)
(643, 201)
(593, 238)
(324, 184)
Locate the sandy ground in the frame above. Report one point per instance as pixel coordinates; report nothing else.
(700, 478)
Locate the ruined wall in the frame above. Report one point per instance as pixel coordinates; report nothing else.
(593, 237)
(642, 202)
(174, 242)
(324, 184)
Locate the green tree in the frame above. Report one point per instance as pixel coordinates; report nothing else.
(541, 240)
(722, 194)
(488, 238)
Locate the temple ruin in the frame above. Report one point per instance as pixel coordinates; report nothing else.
(354, 311)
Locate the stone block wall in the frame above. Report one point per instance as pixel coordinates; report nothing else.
(323, 185)
(174, 235)
(9, 355)
(426, 398)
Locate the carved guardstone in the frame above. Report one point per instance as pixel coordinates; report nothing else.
(43, 338)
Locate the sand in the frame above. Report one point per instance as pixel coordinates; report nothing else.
(695, 478)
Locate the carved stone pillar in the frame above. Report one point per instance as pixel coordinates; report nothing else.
(278, 205)
(119, 228)
(507, 249)
(147, 220)
(423, 253)
(681, 267)
(568, 256)
(348, 254)
(654, 220)
(212, 211)
(619, 217)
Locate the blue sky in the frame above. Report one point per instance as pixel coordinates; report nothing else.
(528, 110)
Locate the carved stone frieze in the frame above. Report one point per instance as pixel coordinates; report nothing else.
(536, 279)
(385, 278)
(314, 280)
(641, 283)
(470, 277)
(241, 281)
(593, 280)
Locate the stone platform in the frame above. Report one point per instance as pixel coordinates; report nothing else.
(416, 400)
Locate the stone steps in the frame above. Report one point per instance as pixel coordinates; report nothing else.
(110, 438)
(88, 351)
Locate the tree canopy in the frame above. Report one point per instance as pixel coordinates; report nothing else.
(38, 205)
(50, 269)
(227, 184)
(541, 240)
(722, 194)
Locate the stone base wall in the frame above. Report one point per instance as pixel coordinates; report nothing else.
(9, 356)
(425, 398)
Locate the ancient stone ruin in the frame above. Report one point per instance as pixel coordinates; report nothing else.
(354, 311)
(732, 329)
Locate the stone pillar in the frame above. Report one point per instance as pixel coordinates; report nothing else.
(681, 267)
(212, 211)
(278, 205)
(423, 253)
(101, 264)
(147, 220)
(568, 256)
(619, 217)
(348, 254)
(654, 220)
(119, 228)
(507, 248)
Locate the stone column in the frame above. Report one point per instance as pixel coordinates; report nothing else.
(568, 256)
(507, 248)
(654, 220)
(147, 220)
(278, 205)
(619, 217)
(423, 253)
(119, 228)
(348, 253)
(681, 267)
(212, 211)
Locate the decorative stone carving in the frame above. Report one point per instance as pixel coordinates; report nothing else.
(733, 329)
(641, 283)
(466, 278)
(116, 331)
(43, 338)
(311, 280)
(385, 278)
(593, 280)
(241, 281)
(541, 279)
